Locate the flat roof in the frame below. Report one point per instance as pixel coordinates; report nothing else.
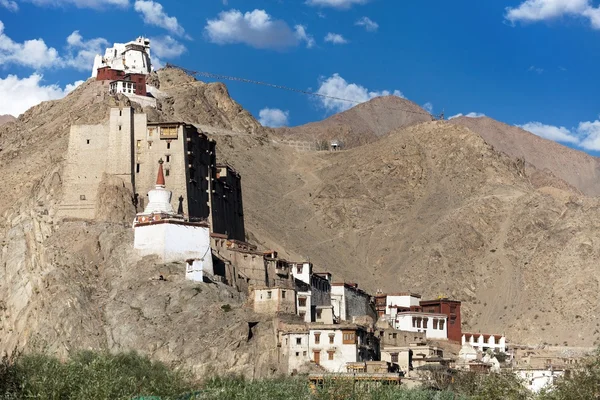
(418, 313)
(399, 294)
(439, 301)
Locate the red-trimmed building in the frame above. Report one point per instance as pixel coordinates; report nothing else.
(451, 308)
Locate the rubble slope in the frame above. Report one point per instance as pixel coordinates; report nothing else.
(362, 124)
(577, 168)
(433, 209)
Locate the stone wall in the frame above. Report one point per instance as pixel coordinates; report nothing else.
(87, 158)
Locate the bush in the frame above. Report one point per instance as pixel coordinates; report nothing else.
(91, 375)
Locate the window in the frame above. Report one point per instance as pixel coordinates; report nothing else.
(319, 314)
(137, 168)
(317, 338)
(269, 294)
(168, 158)
(394, 358)
(283, 294)
(304, 353)
(435, 323)
(349, 337)
(149, 145)
(425, 320)
(414, 322)
(151, 131)
(168, 145)
(120, 113)
(441, 324)
(299, 269)
(302, 314)
(297, 354)
(452, 319)
(119, 127)
(394, 335)
(302, 302)
(331, 338)
(88, 141)
(138, 144)
(298, 341)
(167, 172)
(82, 197)
(330, 354)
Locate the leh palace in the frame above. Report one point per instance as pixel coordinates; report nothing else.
(190, 211)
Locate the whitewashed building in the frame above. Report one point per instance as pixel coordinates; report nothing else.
(433, 325)
(331, 346)
(132, 57)
(484, 342)
(313, 290)
(538, 379)
(349, 301)
(158, 230)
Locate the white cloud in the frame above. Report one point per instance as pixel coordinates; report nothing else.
(338, 87)
(273, 117)
(428, 107)
(18, 95)
(535, 69)
(335, 3)
(370, 25)
(31, 53)
(469, 115)
(95, 4)
(335, 38)
(303, 36)
(555, 133)
(166, 47)
(542, 10)
(9, 5)
(255, 28)
(36, 54)
(81, 52)
(154, 14)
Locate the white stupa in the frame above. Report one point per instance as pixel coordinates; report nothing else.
(160, 231)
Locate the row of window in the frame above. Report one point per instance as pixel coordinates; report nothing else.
(418, 322)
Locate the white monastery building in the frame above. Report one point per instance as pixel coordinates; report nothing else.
(132, 57)
(162, 232)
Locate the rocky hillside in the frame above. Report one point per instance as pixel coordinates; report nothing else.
(434, 209)
(579, 169)
(431, 208)
(362, 124)
(67, 285)
(6, 118)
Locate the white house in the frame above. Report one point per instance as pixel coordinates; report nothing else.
(483, 342)
(537, 379)
(132, 57)
(433, 325)
(158, 230)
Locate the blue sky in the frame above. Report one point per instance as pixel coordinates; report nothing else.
(532, 63)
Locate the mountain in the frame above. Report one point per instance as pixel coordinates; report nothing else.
(361, 124)
(433, 209)
(6, 118)
(429, 208)
(577, 168)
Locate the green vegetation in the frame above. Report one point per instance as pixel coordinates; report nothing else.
(98, 375)
(88, 375)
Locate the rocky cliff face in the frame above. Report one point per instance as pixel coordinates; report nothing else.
(69, 285)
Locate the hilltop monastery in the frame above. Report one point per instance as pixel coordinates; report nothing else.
(190, 210)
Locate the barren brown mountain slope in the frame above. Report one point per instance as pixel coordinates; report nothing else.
(361, 124)
(69, 285)
(579, 169)
(433, 209)
(6, 118)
